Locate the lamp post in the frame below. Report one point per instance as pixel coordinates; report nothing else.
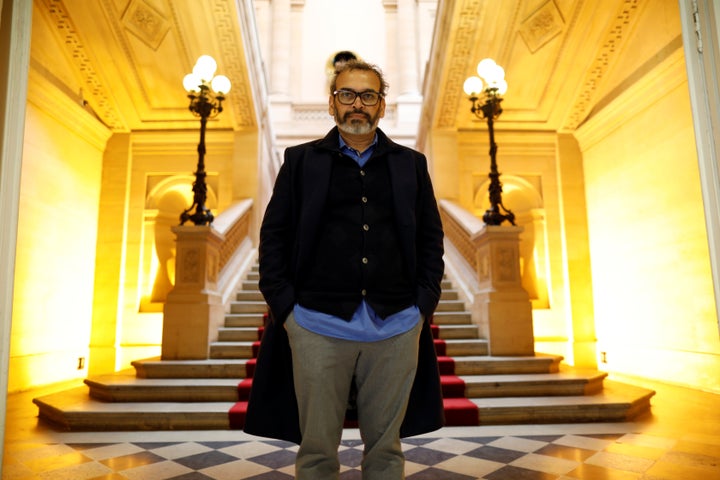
(485, 93)
(206, 93)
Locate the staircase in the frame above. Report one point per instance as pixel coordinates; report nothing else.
(209, 394)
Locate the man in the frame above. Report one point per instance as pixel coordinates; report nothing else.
(350, 266)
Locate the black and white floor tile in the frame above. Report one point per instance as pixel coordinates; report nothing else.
(608, 456)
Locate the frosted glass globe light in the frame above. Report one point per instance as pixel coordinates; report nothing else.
(191, 82)
(221, 84)
(473, 86)
(486, 69)
(502, 87)
(492, 74)
(205, 67)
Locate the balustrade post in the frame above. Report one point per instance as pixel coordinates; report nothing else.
(502, 306)
(194, 309)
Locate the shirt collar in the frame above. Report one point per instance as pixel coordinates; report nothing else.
(344, 146)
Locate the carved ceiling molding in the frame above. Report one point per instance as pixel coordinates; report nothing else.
(465, 32)
(101, 102)
(541, 26)
(146, 23)
(620, 26)
(240, 99)
(120, 27)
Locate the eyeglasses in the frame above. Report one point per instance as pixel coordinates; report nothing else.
(347, 97)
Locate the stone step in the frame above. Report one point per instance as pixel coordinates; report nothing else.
(615, 403)
(191, 369)
(75, 410)
(452, 318)
(127, 387)
(250, 334)
(238, 334)
(249, 296)
(249, 285)
(532, 385)
(449, 294)
(448, 332)
(235, 368)
(249, 307)
(237, 350)
(244, 320)
(256, 319)
(489, 365)
(450, 306)
(463, 347)
(453, 348)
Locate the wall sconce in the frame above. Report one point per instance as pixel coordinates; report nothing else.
(206, 93)
(485, 94)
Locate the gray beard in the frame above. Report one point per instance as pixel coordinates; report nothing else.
(356, 127)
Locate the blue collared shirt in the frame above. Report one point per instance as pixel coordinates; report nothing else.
(365, 325)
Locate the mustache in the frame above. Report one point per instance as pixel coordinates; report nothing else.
(355, 112)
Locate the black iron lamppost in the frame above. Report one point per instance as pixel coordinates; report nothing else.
(206, 93)
(485, 94)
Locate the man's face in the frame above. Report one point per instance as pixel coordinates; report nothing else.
(357, 118)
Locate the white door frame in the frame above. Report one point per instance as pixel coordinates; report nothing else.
(701, 30)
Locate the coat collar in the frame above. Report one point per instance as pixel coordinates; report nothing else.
(331, 142)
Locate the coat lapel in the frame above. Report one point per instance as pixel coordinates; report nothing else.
(315, 181)
(404, 188)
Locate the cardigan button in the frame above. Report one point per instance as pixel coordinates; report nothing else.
(366, 227)
(365, 260)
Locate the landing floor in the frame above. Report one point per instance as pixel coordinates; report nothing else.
(680, 440)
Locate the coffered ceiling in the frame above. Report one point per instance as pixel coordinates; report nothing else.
(562, 58)
(127, 58)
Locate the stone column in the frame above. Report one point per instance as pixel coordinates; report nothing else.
(193, 311)
(280, 57)
(409, 99)
(407, 47)
(502, 306)
(580, 316)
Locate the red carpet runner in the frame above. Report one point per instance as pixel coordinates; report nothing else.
(459, 411)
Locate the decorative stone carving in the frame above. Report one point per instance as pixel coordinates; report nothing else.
(146, 23)
(102, 104)
(621, 24)
(190, 266)
(542, 26)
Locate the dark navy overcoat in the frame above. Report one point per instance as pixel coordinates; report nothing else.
(287, 236)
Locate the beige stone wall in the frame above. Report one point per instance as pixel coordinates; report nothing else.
(55, 257)
(652, 284)
(542, 185)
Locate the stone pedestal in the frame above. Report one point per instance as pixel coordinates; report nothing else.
(502, 306)
(193, 311)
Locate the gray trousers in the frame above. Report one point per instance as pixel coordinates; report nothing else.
(323, 369)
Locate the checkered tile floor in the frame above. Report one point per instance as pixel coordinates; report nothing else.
(607, 456)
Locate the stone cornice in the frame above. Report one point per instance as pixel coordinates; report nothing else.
(101, 100)
(622, 23)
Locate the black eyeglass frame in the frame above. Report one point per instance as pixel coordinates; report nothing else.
(376, 95)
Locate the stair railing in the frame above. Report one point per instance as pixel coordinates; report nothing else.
(487, 257)
(209, 263)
